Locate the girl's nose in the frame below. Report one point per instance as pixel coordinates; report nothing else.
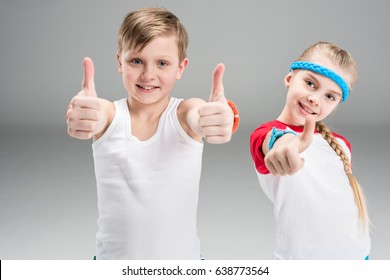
(313, 99)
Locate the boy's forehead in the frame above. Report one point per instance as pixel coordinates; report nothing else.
(158, 45)
(139, 44)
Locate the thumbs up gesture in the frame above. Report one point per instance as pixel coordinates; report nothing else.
(84, 112)
(216, 117)
(284, 158)
(88, 84)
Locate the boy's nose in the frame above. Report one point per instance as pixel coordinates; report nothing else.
(148, 73)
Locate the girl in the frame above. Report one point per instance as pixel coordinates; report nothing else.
(305, 169)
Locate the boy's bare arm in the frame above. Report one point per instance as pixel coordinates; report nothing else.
(88, 116)
(211, 120)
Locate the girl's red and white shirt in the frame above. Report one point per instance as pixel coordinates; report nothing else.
(316, 215)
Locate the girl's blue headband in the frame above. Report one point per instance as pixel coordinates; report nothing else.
(325, 72)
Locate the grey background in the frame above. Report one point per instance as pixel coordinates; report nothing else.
(47, 187)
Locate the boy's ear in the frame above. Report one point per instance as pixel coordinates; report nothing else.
(182, 67)
(118, 57)
(287, 79)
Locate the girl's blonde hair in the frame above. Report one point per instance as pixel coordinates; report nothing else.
(345, 61)
(140, 27)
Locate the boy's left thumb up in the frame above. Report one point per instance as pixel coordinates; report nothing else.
(217, 90)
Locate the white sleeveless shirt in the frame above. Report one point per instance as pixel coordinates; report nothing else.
(147, 190)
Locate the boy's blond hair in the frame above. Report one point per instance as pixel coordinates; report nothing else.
(140, 27)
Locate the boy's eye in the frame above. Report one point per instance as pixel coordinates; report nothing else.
(162, 63)
(136, 61)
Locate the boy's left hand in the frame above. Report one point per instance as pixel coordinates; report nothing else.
(216, 117)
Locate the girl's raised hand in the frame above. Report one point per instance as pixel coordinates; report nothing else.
(284, 158)
(306, 137)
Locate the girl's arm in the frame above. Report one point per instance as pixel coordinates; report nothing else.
(283, 158)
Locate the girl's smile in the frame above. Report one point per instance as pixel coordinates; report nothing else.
(306, 110)
(309, 93)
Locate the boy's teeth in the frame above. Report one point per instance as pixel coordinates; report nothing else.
(147, 87)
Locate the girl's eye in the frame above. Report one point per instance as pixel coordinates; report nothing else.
(162, 63)
(310, 83)
(330, 97)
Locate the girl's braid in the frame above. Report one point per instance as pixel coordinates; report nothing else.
(328, 136)
(356, 188)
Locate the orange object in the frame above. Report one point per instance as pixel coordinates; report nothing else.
(236, 115)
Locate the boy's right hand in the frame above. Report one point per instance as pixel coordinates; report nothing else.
(284, 158)
(85, 115)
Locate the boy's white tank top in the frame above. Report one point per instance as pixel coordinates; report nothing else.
(147, 190)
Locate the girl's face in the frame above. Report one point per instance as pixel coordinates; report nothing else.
(310, 93)
(150, 74)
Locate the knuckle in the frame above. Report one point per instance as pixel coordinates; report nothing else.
(70, 115)
(227, 131)
(96, 115)
(90, 126)
(76, 101)
(89, 135)
(201, 121)
(291, 172)
(226, 139)
(70, 124)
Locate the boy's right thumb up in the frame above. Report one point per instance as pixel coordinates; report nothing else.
(88, 84)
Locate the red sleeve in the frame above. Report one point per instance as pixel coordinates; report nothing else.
(257, 138)
(256, 142)
(344, 139)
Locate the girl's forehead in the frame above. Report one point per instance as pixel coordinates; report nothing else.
(315, 69)
(327, 63)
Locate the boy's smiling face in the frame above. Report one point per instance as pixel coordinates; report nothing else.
(149, 74)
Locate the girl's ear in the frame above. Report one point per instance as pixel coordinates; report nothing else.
(287, 79)
(118, 57)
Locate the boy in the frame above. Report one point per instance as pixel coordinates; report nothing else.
(148, 147)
